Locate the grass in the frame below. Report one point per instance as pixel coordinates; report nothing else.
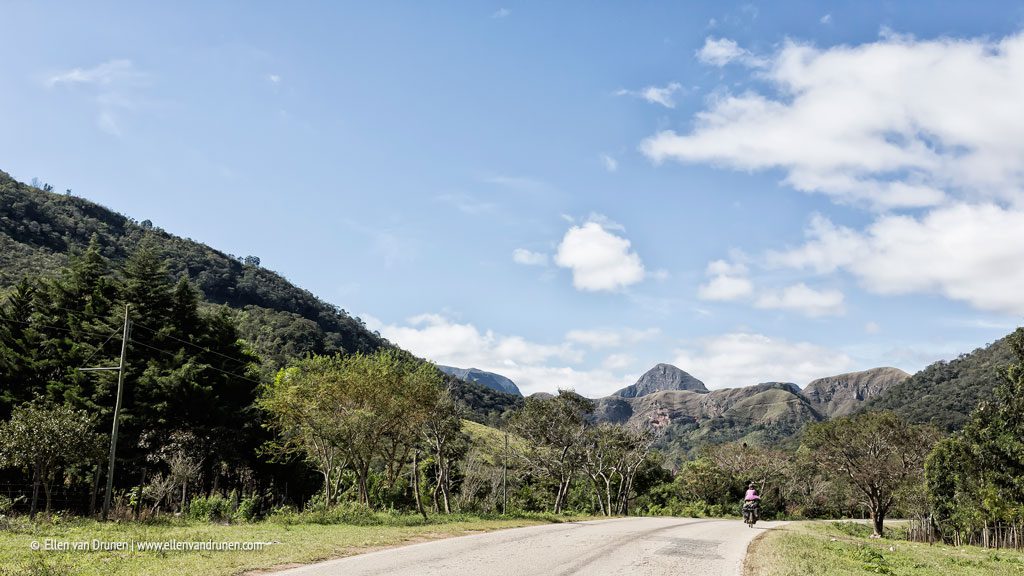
(844, 549)
(291, 542)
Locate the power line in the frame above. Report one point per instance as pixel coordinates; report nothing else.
(168, 352)
(94, 352)
(61, 328)
(187, 343)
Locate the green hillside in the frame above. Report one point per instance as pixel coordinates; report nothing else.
(945, 393)
(40, 230)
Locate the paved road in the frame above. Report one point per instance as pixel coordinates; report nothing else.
(634, 546)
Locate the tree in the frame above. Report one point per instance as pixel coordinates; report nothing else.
(443, 436)
(361, 412)
(43, 439)
(555, 430)
(877, 451)
(976, 477)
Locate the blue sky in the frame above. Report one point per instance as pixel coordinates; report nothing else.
(565, 193)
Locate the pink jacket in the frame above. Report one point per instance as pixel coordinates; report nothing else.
(751, 495)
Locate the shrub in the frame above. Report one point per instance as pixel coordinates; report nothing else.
(213, 508)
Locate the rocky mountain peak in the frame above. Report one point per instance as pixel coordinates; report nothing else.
(660, 378)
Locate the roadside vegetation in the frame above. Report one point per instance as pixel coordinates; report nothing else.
(846, 549)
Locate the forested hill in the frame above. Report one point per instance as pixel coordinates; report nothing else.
(945, 393)
(40, 230)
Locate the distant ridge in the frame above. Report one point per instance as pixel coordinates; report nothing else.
(844, 394)
(488, 379)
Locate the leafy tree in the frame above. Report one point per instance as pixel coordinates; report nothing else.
(555, 430)
(44, 439)
(976, 477)
(877, 451)
(362, 412)
(445, 441)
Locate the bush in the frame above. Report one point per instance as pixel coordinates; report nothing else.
(248, 508)
(213, 508)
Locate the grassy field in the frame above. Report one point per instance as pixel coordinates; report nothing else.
(289, 543)
(844, 549)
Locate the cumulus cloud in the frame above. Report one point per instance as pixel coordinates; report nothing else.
(804, 299)
(599, 259)
(528, 258)
(610, 163)
(663, 95)
(719, 51)
(742, 359)
(534, 367)
(965, 252)
(728, 282)
(895, 123)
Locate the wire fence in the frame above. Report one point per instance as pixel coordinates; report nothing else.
(990, 535)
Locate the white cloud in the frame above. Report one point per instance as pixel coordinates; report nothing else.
(599, 259)
(501, 13)
(826, 19)
(606, 338)
(742, 359)
(466, 203)
(610, 163)
(618, 362)
(534, 367)
(895, 123)
(108, 73)
(663, 95)
(274, 78)
(528, 258)
(110, 84)
(804, 299)
(965, 252)
(728, 282)
(722, 51)
(872, 328)
(519, 183)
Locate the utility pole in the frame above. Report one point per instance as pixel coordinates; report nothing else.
(117, 410)
(504, 478)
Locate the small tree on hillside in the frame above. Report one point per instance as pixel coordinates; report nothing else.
(877, 451)
(45, 439)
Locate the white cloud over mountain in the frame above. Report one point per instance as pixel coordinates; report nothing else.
(804, 299)
(534, 367)
(965, 252)
(743, 358)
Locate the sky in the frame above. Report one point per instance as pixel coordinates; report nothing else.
(564, 193)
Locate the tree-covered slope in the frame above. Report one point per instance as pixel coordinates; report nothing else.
(945, 393)
(40, 230)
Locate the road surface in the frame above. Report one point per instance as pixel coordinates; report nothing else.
(634, 546)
